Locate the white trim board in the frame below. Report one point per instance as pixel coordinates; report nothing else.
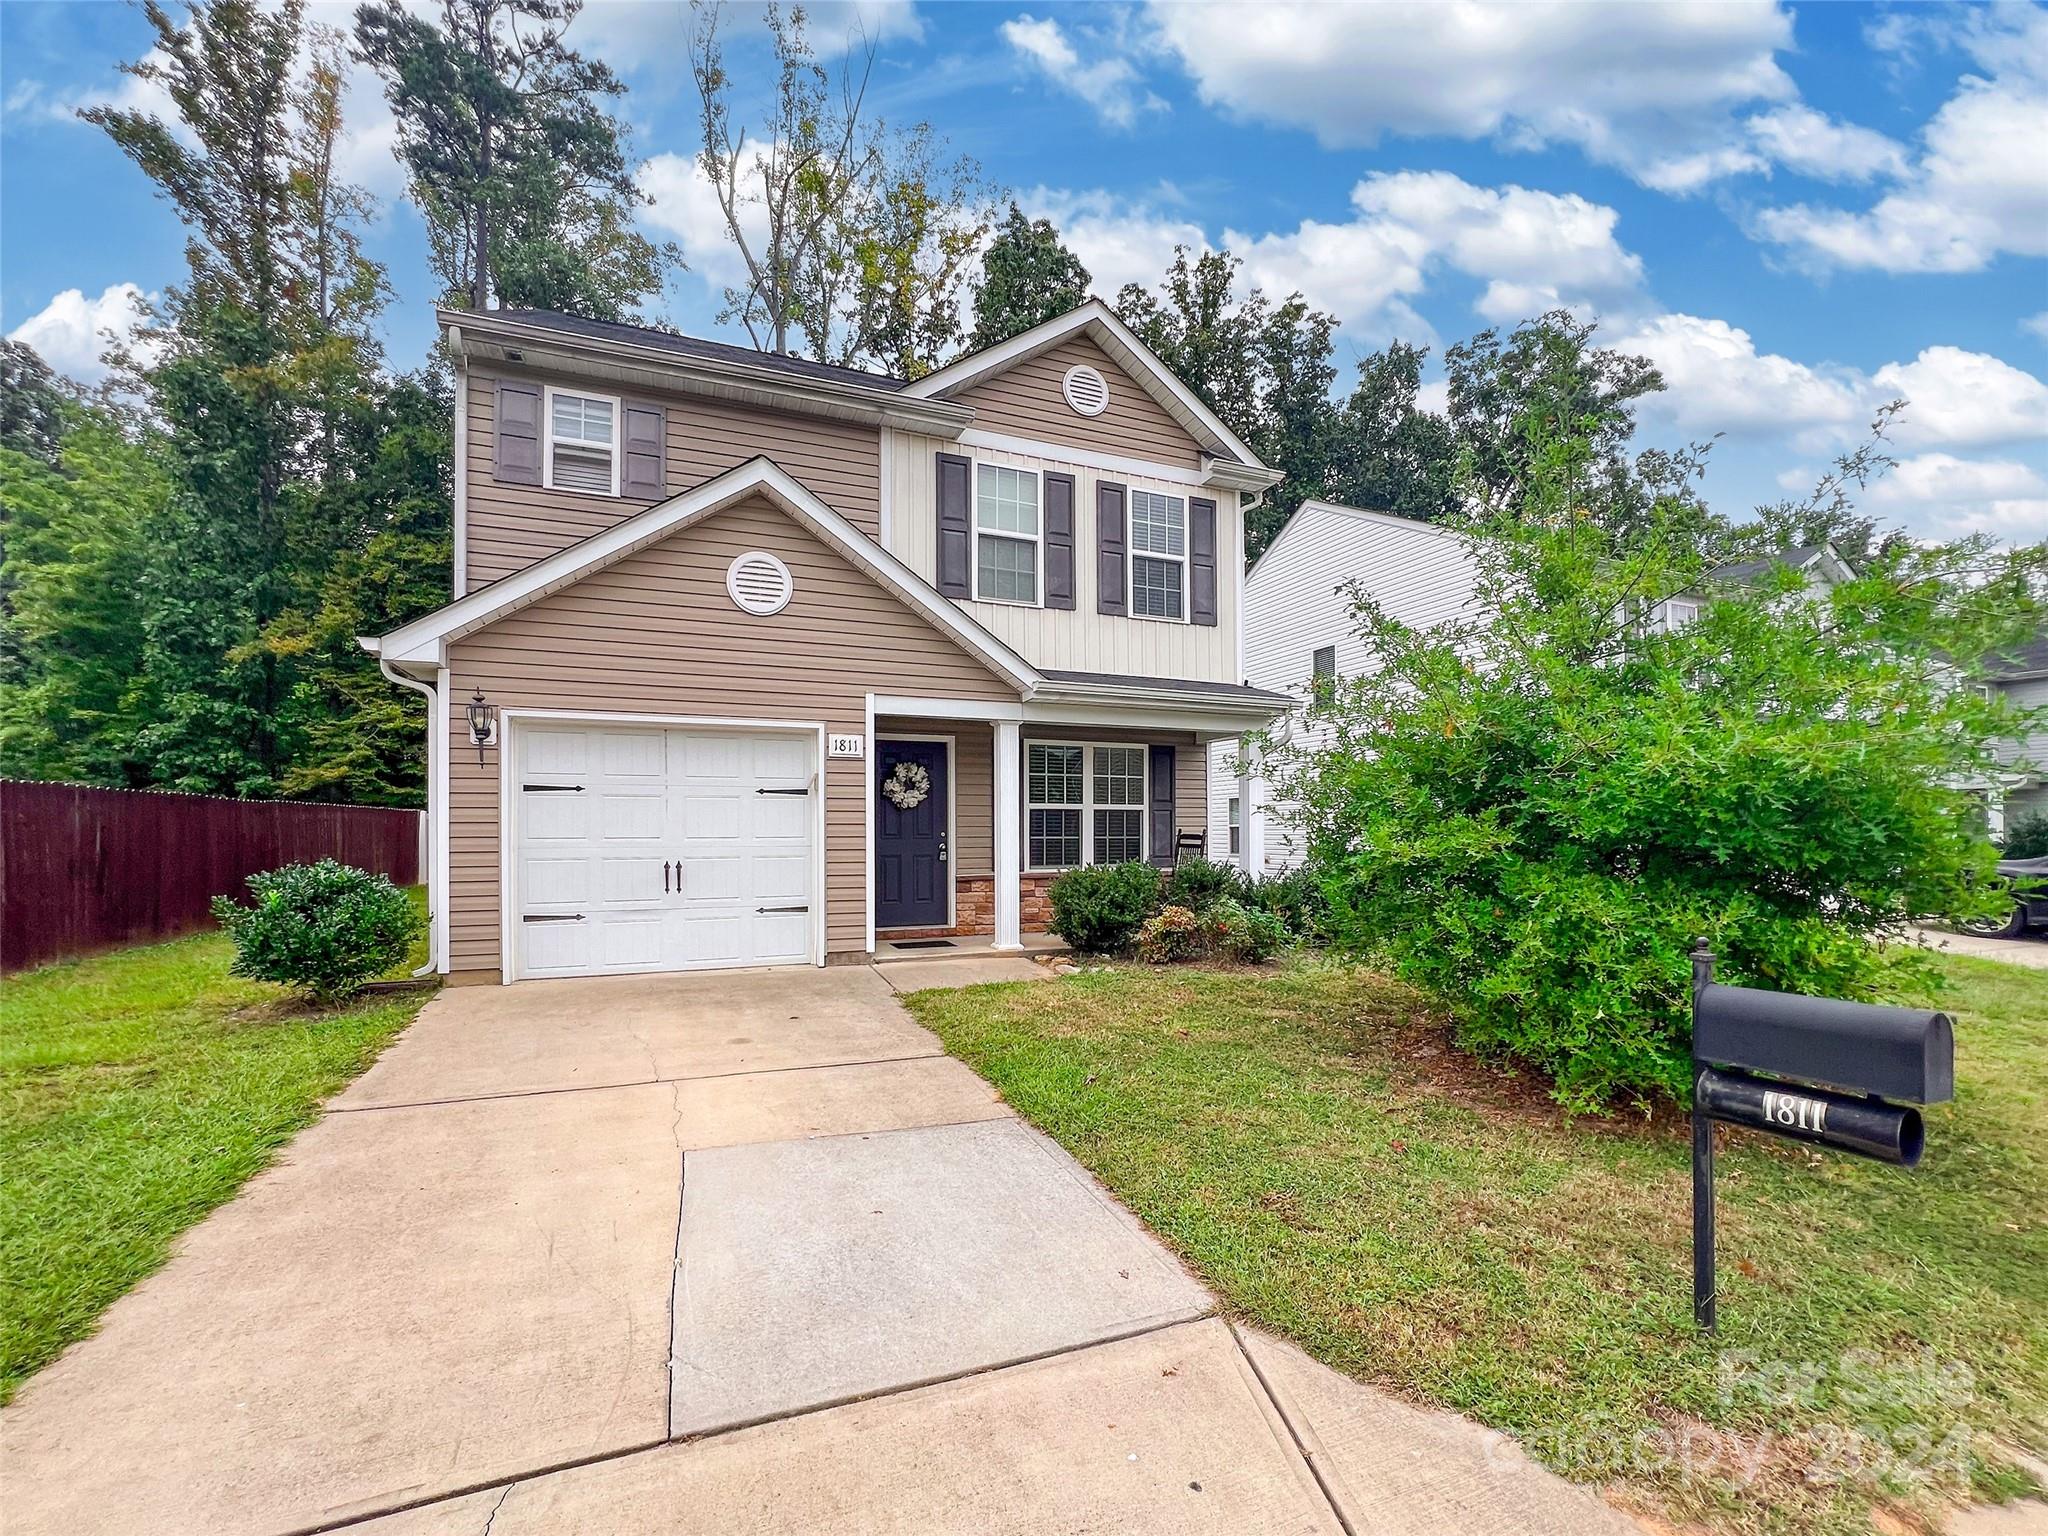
(427, 639)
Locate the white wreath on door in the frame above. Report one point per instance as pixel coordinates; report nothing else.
(907, 786)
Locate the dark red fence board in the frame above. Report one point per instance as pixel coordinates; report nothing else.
(84, 868)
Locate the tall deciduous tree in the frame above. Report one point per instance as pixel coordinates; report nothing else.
(514, 156)
(1027, 278)
(1388, 454)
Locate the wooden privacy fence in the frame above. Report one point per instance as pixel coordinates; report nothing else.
(84, 868)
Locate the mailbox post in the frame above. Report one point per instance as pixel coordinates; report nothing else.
(1830, 1071)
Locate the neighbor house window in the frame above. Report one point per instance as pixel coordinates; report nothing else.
(1159, 555)
(1674, 615)
(1323, 673)
(583, 443)
(1236, 831)
(1005, 534)
(1083, 805)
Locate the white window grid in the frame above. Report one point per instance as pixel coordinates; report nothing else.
(1159, 556)
(1096, 795)
(1009, 515)
(585, 429)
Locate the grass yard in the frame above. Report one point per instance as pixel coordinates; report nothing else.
(138, 1090)
(1309, 1141)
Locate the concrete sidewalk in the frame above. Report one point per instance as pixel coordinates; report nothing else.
(742, 1252)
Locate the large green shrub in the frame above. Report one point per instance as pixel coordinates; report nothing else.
(323, 929)
(1098, 908)
(1198, 884)
(2027, 837)
(1533, 811)
(1295, 897)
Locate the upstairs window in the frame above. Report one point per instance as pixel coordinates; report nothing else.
(1159, 556)
(1323, 674)
(583, 443)
(1006, 534)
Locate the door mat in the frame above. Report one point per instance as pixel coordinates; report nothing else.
(922, 944)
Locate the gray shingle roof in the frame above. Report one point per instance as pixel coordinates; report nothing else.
(697, 346)
(1749, 570)
(1242, 691)
(2020, 660)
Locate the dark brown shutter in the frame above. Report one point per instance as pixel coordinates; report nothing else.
(955, 508)
(1110, 538)
(1059, 541)
(515, 460)
(1162, 805)
(1202, 560)
(645, 436)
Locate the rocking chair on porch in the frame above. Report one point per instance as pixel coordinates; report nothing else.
(1188, 845)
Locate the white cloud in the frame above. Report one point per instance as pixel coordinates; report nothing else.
(2038, 324)
(1653, 89)
(1940, 494)
(1110, 83)
(1809, 142)
(71, 331)
(685, 207)
(1530, 250)
(1976, 190)
(1717, 381)
(1964, 399)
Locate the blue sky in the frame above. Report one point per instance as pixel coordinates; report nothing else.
(1797, 212)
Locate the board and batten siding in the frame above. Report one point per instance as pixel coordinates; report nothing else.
(1295, 604)
(1026, 400)
(508, 527)
(1080, 640)
(657, 634)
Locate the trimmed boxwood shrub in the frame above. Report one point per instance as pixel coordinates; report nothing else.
(1098, 908)
(1174, 933)
(1198, 884)
(2027, 837)
(322, 929)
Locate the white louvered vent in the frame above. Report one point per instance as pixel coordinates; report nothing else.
(759, 583)
(1086, 390)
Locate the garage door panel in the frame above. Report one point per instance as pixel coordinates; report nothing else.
(652, 797)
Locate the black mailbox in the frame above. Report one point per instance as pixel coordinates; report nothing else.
(1907, 1054)
(1805, 1047)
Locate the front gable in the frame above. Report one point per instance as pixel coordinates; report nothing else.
(1028, 400)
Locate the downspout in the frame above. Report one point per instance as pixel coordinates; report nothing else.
(434, 904)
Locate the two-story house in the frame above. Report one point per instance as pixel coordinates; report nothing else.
(2021, 678)
(756, 661)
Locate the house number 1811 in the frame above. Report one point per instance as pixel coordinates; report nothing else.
(1796, 1113)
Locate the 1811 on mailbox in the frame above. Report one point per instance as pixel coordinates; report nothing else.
(1831, 1071)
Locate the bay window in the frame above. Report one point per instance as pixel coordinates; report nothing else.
(1083, 805)
(1006, 534)
(1159, 555)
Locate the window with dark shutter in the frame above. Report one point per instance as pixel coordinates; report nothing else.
(515, 455)
(1202, 560)
(1059, 541)
(644, 474)
(1162, 765)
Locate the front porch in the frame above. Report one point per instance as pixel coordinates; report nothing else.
(974, 808)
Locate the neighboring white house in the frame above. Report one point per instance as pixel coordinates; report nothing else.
(2022, 678)
(1297, 626)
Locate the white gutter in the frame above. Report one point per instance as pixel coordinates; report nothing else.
(435, 746)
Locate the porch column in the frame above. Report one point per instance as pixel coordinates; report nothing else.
(1009, 812)
(1251, 820)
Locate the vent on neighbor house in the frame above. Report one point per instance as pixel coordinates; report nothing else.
(759, 583)
(1086, 390)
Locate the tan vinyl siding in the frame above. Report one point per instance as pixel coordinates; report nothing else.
(1082, 640)
(1025, 401)
(657, 634)
(508, 527)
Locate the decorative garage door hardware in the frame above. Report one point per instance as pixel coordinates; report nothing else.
(804, 791)
(804, 908)
(552, 917)
(553, 789)
(1864, 1054)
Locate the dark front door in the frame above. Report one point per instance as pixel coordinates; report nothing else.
(913, 886)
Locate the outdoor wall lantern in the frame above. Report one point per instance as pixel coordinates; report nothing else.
(483, 724)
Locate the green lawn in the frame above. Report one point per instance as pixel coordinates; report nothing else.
(1309, 1141)
(138, 1090)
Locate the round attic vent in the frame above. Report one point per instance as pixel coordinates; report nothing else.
(759, 583)
(1086, 390)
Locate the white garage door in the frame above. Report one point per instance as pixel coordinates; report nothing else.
(653, 850)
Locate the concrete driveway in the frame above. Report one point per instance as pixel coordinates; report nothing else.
(741, 1252)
